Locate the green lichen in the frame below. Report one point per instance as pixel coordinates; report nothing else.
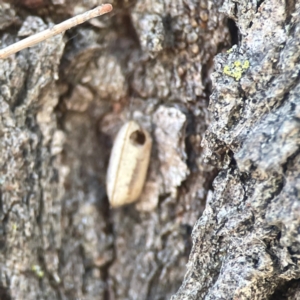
(246, 64)
(14, 227)
(236, 69)
(38, 271)
(237, 63)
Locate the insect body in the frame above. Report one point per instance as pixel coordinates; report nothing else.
(128, 164)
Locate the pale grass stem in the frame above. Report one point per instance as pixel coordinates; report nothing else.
(57, 29)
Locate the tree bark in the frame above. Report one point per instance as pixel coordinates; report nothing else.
(224, 165)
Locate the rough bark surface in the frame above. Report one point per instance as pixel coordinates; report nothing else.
(246, 244)
(62, 103)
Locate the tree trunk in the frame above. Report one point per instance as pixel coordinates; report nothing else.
(224, 164)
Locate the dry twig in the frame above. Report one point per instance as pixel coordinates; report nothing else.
(57, 29)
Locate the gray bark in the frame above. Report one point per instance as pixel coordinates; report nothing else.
(229, 171)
